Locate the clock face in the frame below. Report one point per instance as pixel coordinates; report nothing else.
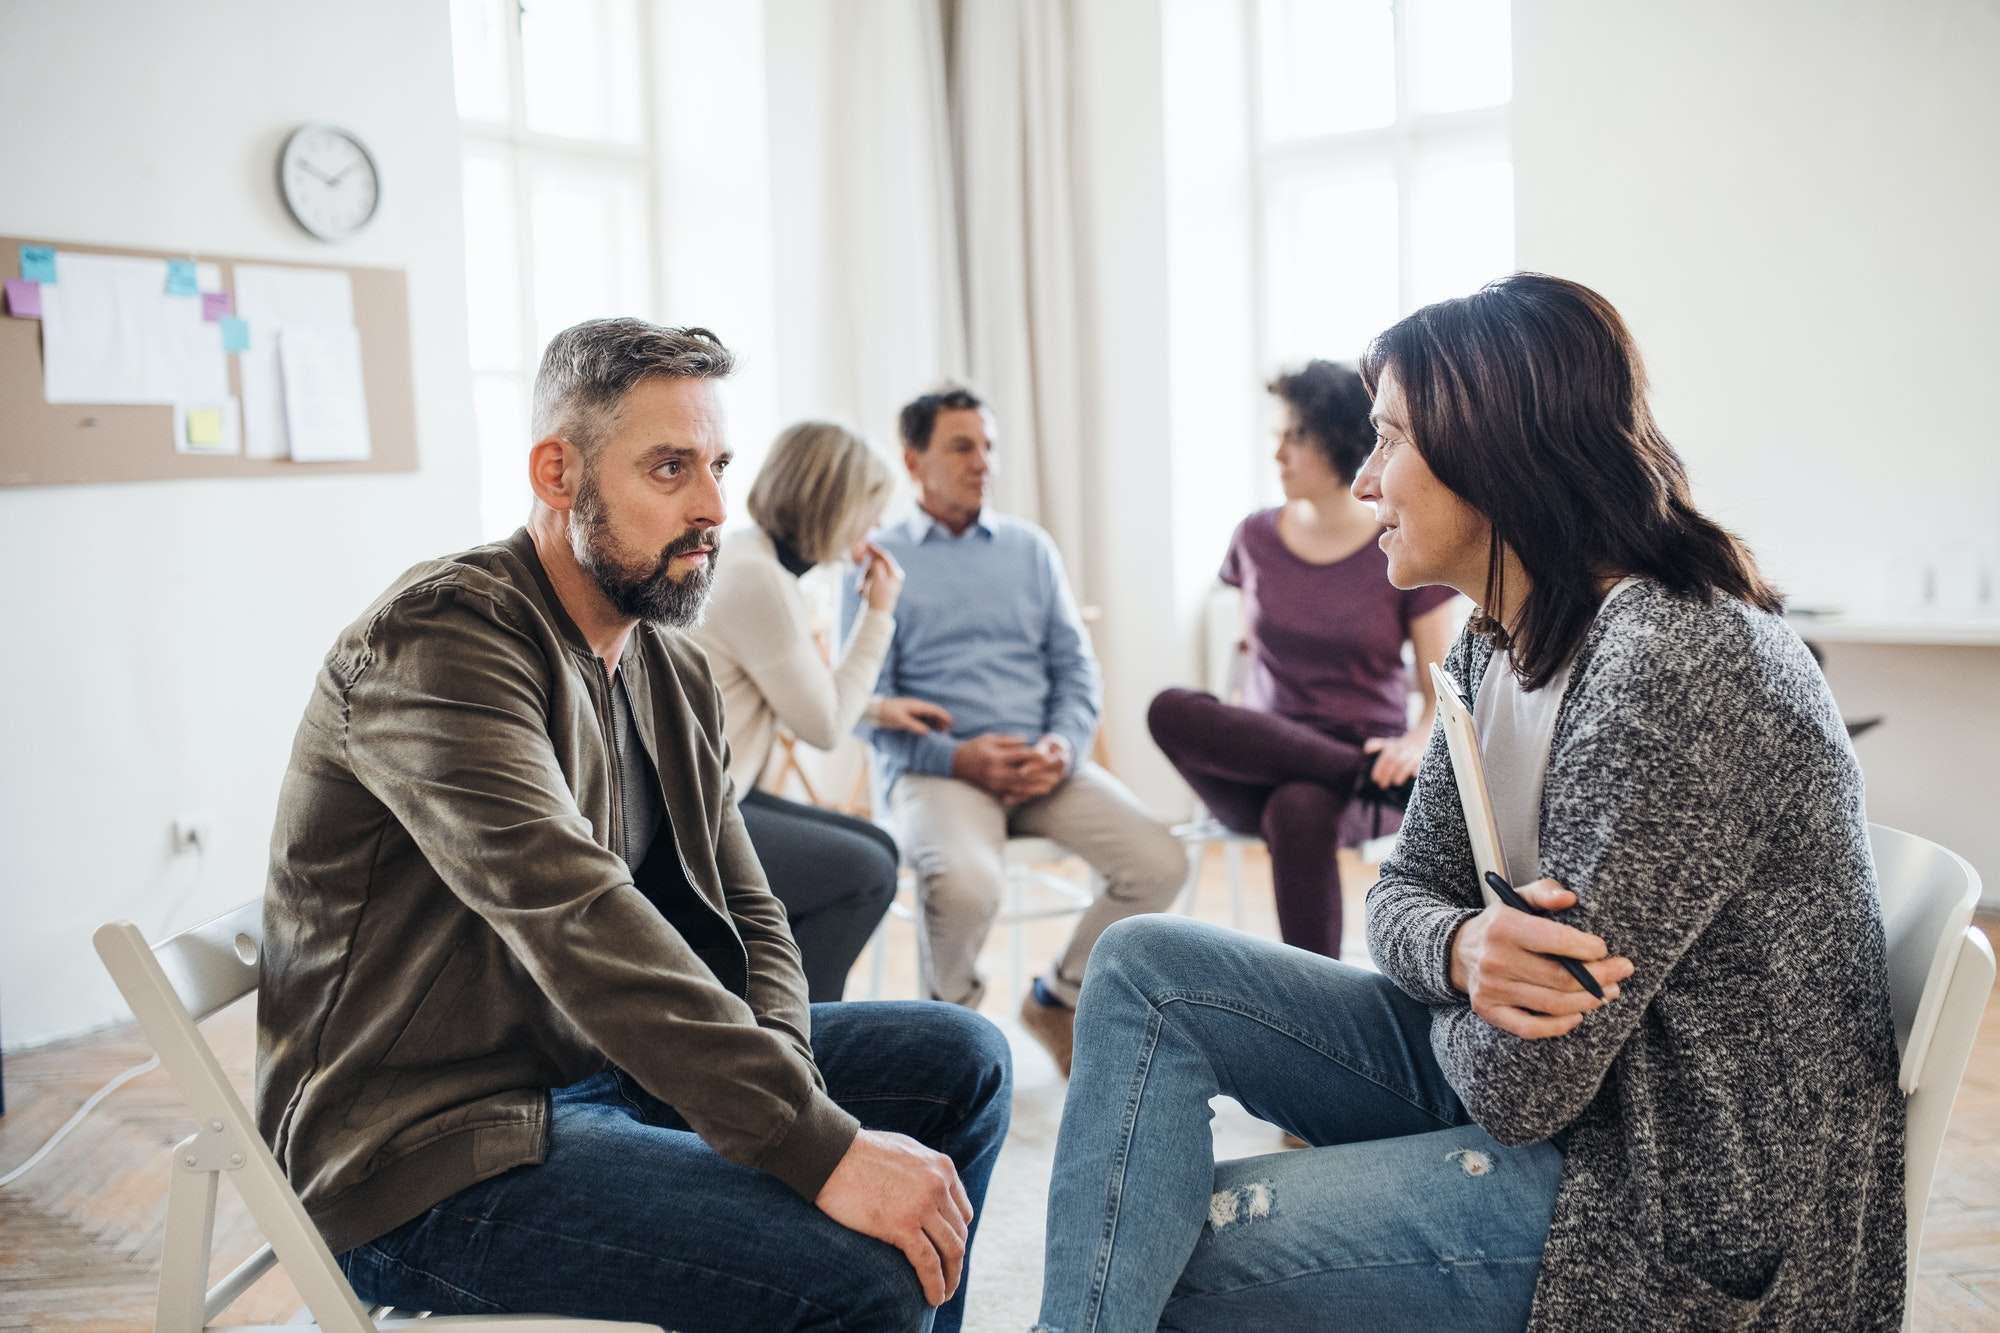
(329, 181)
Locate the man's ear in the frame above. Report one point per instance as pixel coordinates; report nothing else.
(555, 471)
(911, 458)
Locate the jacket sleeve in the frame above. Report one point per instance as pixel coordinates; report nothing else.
(446, 726)
(1428, 887)
(1655, 827)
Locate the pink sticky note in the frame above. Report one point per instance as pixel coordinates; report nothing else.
(214, 305)
(24, 298)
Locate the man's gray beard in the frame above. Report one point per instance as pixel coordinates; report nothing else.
(646, 593)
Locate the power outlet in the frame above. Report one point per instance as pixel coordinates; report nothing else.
(191, 833)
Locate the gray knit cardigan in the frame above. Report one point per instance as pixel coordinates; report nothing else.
(1732, 1127)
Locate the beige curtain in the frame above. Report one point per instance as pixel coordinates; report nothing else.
(926, 217)
(1010, 96)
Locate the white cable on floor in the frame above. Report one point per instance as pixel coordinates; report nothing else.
(89, 1105)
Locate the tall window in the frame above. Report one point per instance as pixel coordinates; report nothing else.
(1385, 175)
(555, 105)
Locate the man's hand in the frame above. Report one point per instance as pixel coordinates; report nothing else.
(992, 762)
(1497, 960)
(1050, 764)
(1397, 758)
(900, 1192)
(899, 713)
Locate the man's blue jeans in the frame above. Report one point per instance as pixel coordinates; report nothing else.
(1411, 1217)
(633, 1217)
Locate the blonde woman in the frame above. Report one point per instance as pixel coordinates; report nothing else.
(820, 492)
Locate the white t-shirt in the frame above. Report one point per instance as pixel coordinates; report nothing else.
(1515, 730)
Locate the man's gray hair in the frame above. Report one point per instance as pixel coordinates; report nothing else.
(589, 367)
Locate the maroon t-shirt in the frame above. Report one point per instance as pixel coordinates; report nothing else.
(1326, 641)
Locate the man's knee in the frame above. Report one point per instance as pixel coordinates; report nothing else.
(983, 1056)
(961, 884)
(1155, 862)
(884, 1292)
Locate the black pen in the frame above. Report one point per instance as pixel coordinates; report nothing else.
(1498, 883)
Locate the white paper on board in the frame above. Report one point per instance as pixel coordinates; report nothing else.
(326, 404)
(111, 334)
(208, 277)
(271, 299)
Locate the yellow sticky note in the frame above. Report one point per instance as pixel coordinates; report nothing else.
(204, 426)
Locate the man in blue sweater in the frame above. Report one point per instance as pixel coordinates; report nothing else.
(988, 629)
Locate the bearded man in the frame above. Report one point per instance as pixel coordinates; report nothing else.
(533, 1033)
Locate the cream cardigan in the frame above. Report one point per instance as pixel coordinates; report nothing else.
(758, 637)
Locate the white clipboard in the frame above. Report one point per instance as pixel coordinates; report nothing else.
(1462, 738)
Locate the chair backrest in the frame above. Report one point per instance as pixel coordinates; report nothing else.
(170, 988)
(1928, 894)
(1940, 977)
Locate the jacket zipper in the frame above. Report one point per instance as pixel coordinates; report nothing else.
(606, 722)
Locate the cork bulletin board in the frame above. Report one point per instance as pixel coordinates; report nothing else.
(52, 444)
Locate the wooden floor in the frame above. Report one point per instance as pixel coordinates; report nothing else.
(80, 1235)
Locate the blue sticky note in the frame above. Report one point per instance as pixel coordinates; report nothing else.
(235, 334)
(180, 278)
(38, 263)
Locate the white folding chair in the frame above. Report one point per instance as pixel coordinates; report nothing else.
(171, 988)
(1940, 975)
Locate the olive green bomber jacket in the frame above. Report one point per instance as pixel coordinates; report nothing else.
(448, 934)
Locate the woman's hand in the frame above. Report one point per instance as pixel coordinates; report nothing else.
(901, 714)
(1497, 959)
(881, 579)
(1397, 758)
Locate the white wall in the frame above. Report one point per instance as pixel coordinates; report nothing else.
(161, 638)
(1794, 205)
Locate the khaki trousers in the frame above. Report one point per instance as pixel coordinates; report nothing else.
(954, 836)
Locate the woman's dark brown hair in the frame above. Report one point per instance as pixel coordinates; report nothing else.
(1528, 400)
(1332, 410)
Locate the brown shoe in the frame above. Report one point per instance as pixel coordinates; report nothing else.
(1053, 1025)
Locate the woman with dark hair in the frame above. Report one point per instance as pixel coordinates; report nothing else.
(1326, 686)
(1718, 1142)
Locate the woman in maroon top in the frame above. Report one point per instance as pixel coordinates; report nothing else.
(1326, 695)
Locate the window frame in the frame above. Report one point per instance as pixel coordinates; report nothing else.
(1413, 139)
(528, 154)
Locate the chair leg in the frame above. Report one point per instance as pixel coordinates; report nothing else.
(1015, 948)
(184, 1248)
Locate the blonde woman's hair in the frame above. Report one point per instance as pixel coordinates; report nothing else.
(817, 479)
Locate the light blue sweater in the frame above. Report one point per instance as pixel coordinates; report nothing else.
(987, 628)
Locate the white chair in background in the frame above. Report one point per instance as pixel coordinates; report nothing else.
(171, 988)
(1940, 975)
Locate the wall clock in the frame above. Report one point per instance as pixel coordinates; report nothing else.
(329, 181)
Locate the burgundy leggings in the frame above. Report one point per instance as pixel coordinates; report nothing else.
(1264, 774)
